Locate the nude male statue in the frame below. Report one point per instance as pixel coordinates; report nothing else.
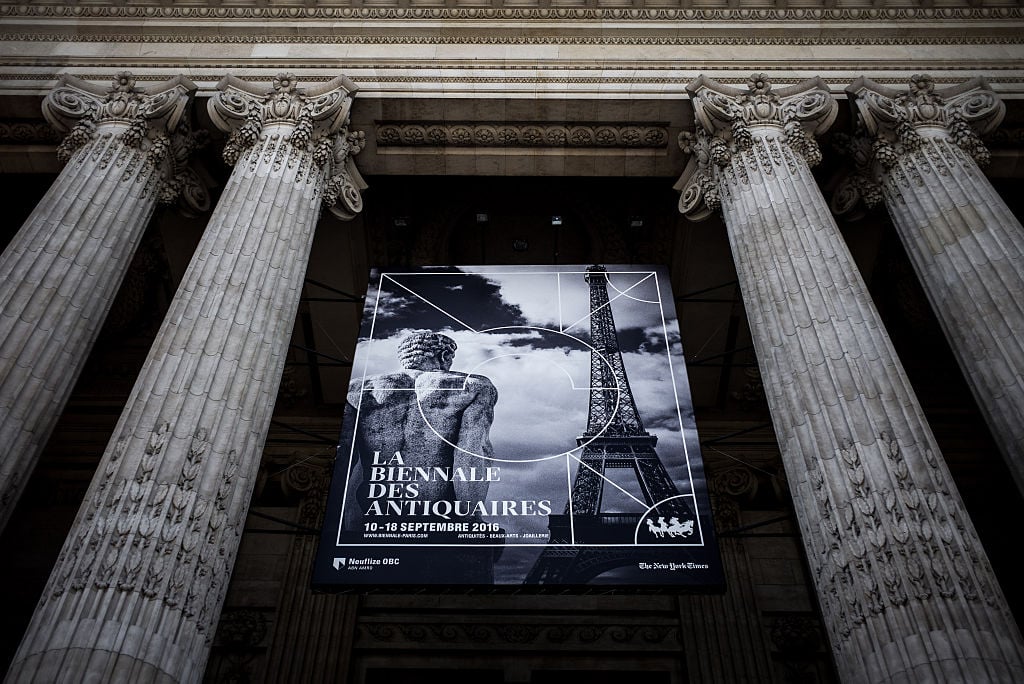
(421, 412)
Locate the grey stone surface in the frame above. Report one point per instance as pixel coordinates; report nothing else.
(964, 242)
(138, 587)
(59, 275)
(905, 588)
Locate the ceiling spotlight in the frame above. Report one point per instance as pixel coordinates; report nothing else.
(556, 220)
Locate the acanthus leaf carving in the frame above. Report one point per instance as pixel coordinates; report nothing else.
(903, 123)
(246, 111)
(134, 115)
(312, 122)
(342, 192)
(740, 132)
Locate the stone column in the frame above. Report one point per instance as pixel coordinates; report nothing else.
(126, 150)
(721, 634)
(137, 588)
(906, 591)
(920, 152)
(313, 633)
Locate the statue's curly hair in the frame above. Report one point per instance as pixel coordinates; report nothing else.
(418, 347)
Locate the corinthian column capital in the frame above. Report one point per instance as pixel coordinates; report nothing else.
(104, 123)
(899, 121)
(86, 110)
(311, 121)
(802, 111)
(730, 121)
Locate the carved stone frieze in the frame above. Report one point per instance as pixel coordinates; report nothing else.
(738, 481)
(611, 635)
(17, 132)
(312, 122)
(342, 9)
(498, 134)
(358, 37)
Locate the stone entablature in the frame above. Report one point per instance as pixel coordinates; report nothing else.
(463, 51)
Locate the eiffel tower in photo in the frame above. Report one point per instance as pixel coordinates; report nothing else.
(615, 438)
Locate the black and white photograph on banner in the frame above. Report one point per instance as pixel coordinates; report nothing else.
(519, 426)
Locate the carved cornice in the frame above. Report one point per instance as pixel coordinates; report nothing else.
(323, 10)
(527, 134)
(241, 36)
(377, 78)
(311, 120)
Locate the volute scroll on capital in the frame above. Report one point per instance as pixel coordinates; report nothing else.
(895, 119)
(154, 120)
(727, 119)
(729, 112)
(313, 120)
(891, 123)
(75, 100)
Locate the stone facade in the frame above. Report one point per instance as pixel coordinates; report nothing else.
(880, 573)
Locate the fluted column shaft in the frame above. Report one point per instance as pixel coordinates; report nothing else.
(966, 246)
(906, 591)
(59, 275)
(722, 635)
(137, 589)
(313, 634)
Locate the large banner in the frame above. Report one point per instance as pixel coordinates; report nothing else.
(518, 425)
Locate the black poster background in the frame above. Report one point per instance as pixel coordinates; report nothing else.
(527, 330)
